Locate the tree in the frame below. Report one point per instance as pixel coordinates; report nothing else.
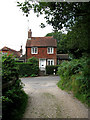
(77, 40)
(75, 16)
(61, 41)
(58, 14)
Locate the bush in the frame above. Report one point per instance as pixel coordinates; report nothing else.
(33, 60)
(14, 99)
(75, 77)
(9, 68)
(50, 69)
(27, 69)
(33, 75)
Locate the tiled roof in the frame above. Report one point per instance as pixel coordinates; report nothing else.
(41, 42)
(63, 56)
(16, 53)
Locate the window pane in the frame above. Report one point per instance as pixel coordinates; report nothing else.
(31, 50)
(51, 50)
(35, 50)
(48, 50)
(48, 62)
(51, 62)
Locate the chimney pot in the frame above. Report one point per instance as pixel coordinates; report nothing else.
(29, 33)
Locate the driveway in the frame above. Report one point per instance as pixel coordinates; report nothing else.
(46, 100)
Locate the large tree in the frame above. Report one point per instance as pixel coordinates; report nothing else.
(58, 14)
(75, 16)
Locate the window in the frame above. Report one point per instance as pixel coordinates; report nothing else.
(50, 50)
(34, 50)
(50, 62)
(3, 53)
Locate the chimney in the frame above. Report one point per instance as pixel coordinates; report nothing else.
(29, 34)
(21, 50)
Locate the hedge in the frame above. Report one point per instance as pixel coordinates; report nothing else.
(9, 69)
(27, 69)
(14, 99)
(50, 69)
(75, 77)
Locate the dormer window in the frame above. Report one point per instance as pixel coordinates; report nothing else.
(50, 50)
(34, 50)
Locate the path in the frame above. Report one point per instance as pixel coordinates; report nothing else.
(46, 100)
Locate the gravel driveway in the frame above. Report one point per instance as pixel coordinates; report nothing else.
(46, 100)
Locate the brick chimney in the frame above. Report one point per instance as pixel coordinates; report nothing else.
(21, 50)
(29, 34)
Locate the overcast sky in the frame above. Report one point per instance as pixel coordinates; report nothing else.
(14, 26)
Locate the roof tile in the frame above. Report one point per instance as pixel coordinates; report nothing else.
(41, 41)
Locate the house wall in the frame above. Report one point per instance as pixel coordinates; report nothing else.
(8, 52)
(42, 53)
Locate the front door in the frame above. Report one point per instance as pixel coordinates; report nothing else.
(42, 64)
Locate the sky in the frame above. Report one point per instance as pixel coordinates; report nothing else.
(14, 26)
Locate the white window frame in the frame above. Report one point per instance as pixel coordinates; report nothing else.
(4, 53)
(51, 50)
(33, 50)
(50, 60)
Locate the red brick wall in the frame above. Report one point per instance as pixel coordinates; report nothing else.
(8, 52)
(42, 53)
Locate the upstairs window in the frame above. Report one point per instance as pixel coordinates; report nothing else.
(50, 50)
(50, 62)
(34, 50)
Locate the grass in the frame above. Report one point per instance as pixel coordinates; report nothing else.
(81, 97)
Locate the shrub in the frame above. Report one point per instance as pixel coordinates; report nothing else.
(33, 75)
(33, 60)
(14, 99)
(27, 69)
(9, 68)
(75, 77)
(50, 69)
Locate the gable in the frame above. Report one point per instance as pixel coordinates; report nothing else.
(15, 53)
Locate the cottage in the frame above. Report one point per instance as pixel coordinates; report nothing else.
(43, 48)
(9, 51)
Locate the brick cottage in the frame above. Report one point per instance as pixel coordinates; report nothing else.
(9, 51)
(43, 48)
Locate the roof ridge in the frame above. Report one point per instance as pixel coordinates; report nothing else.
(43, 37)
(9, 49)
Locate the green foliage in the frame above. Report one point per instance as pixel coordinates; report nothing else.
(50, 69)
(77, 40)
(27, 69)
(9, 69)
(33, 60)
(75, 77)
(61, 41)
(33, 75)
(58, 14)
(14, 99)
(74, 16)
